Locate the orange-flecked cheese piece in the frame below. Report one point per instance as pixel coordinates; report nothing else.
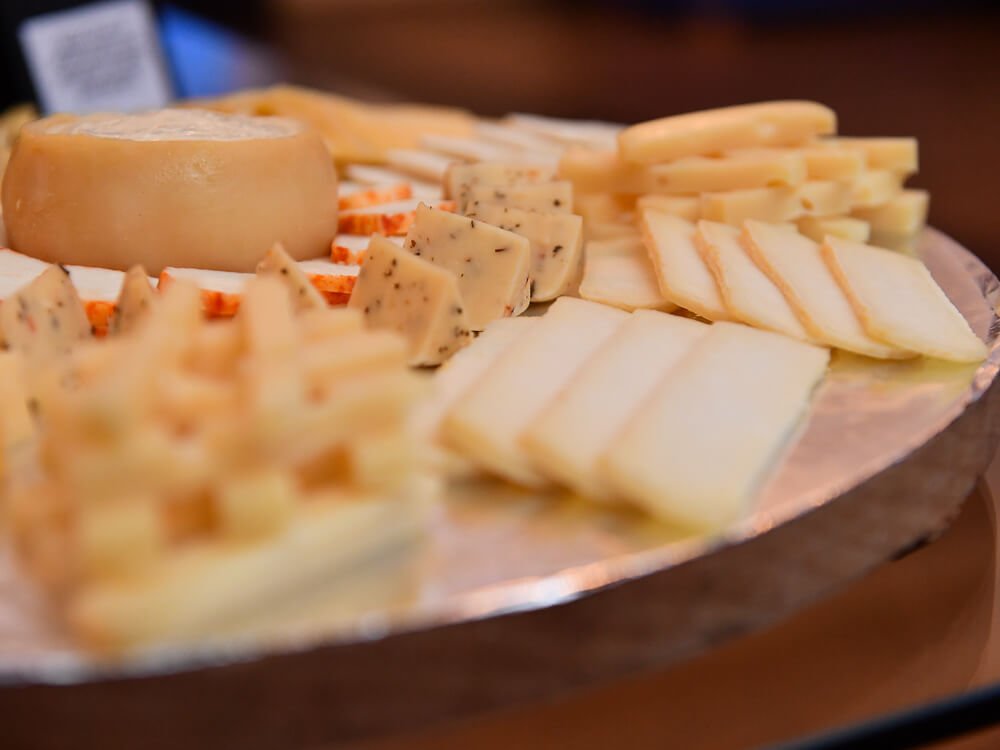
(169, 188)
(221, 291)
(394, 219)
(356, 195)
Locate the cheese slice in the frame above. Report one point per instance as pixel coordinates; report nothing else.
(736, 171)
(505, 135)
(687, 207)
(699, 447)
(895, 154)
(603, 206)
(602, 170)
(386, 218)
(350, 249)
(370, 175)
(846, 227)
(466, 148)
(17, 426)
(492, 265)
(749, 295)
(795, 265)
(221, 291)
(359, 195)
(778, 204)
(304, 295)
(552, 197)
(44, 318)
(584, 420)
(683, 277)
(334, 281)
(402, 292)
(821, 162)
(783, 123)
(874, 188)
(898, 302)
(619, 273)
(906, 213)
(424, 165)
(592, 133)
(556, 242)
(487, 423)
(136, 298)
(460, 178)
(826, 197)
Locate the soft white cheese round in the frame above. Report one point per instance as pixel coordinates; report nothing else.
(177, 187)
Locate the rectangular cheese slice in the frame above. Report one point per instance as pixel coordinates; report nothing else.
(358, 195)
(602, 170)
(492, 265)
(386, 218)
(505, 135)
(556, 242)
(898, 302)
(895, 154)
(711, 132)
(906, 213)
(749, 295)
(849, 228)
(735, 171)
(875, 187)
(370, 175)
(826, 197)
(795, 265)
(591, 133)
(424, 165)
(551, 197)
(821, 162)
(683, 277)
(460, 178)
(687, 207)
(583, 421)
(402, 292)
(700, 446)
(466, 148)
(622, 277)
(487, 423)
(778, 204)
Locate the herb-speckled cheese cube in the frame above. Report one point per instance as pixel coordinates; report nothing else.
(554, 197)
(401, 292)
(491, 264)
(460, 178)
(46, 317)
(556, 245)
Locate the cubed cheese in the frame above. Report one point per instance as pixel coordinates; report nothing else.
(874, 187)
(895, 154)
(221, 291)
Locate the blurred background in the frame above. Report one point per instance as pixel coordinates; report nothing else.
(922, 68)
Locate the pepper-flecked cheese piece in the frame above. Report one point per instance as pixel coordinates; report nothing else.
(304, 295)
(135, 299)
(556, 245)
(46, 317)
(875, 187)
(554, 197)
(486, 424)
(403, 292)
(492, 265)
(461, 178)
(706, 133)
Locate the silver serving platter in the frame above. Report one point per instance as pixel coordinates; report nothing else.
(493, 550)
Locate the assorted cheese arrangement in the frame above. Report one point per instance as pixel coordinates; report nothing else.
(613, 311)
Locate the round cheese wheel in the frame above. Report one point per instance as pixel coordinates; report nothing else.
(181, 187)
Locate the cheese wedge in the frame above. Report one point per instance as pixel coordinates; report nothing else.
(556, 242)
(461, 178)
(136, 297)
(221, 291)
(352, 196)
(402, 292)
(584, 420)
(386, 218)
(846, 227)
(699, 447)
(551, 197)
(874, 187)
(795, 265)
(683, 277)
(492, 265)
(898, 302)
(424, 165)
(749, 295)
(45, 317)
(895, 154)
(783, 123)
(623, 277)
(602, 170)
(304, 295)
(906, 213)
(334, 281)
(487, 423)
(736, 171)
(687, 207)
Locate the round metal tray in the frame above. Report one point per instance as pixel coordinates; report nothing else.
(516, 597)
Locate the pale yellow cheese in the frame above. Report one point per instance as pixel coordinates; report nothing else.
(584, 420)
(602, 170)
(875, 187)
(849, 228)
(466, 148)
(824, 163)
(700, 446)
(487, 423)
(620, 273)
(603, 206)
(492, 265)
(687, 207)
(683, 277)
(898, 301)
(749, 295)
(556, 242)
(751, 169)
(707, 133)
(401, 292)
(826, 197)
(175, 187)
(794, 263)
(553, 197)
(778, 204)
(610, 230)
(895, 154)
(424, 165)
(461, 177)
(906, 213)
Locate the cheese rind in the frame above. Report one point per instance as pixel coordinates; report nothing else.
(619, 273)
(551, 197)
(461, 178)
(556, 242)
(402, 292)
(487, 423)
(749, 295)
(492, 266)
(898, 301)
(699, 447)
(583, 421)
(683, 277)
(795, 265)
(180, 188)
(713, 131)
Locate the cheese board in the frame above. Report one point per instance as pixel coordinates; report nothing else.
(663, 416)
